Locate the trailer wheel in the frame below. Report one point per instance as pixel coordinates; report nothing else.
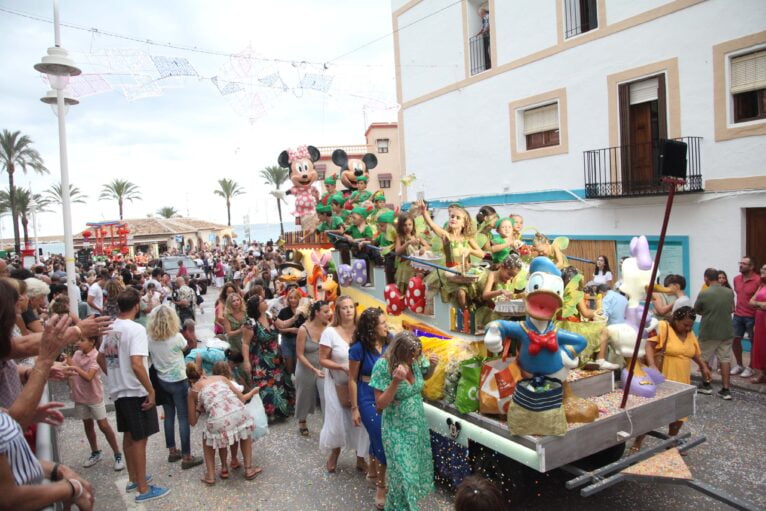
(601, 458)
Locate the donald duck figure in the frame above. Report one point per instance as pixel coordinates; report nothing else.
(545, 350)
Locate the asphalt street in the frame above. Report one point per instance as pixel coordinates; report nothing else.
(733, 459)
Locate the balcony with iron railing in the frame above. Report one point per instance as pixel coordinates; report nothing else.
(479, 52)
(634, 170)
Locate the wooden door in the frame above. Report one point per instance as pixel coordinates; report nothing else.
(641, 142)
(755, 235)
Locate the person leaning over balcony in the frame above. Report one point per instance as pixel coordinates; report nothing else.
(484, 15)
(21, 474)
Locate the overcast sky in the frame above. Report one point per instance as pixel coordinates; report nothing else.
(183, 135)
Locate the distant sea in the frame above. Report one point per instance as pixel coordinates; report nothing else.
(261, 232)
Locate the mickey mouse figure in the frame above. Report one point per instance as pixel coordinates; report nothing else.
(300, 161)
(352, 169)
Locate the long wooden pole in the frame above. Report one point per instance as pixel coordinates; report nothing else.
(672, 182)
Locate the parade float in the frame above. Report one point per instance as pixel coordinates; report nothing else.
(511, 396)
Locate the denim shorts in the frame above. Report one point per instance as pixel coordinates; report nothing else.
(287, 347)
(743, 324)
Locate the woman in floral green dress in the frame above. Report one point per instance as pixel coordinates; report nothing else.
(398, 379)
(267, 365)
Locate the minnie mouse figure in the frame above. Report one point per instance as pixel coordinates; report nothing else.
(300, 161)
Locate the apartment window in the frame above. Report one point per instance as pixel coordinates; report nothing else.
(321, 169)
(748, 86)
(384, 180)
(479, 36)
(382, 144)
(580, 16)
(541, 126)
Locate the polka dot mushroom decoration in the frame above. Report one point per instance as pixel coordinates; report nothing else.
(359, 271)
(394, 300)
(416, 295)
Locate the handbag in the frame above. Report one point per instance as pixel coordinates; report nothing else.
(497, 383)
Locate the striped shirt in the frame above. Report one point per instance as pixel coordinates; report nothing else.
(24, 466)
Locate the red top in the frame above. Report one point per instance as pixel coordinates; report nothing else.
(745, 289)
(182, 271)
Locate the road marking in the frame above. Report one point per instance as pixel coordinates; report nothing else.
(128, 498)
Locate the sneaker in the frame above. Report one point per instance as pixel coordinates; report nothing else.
(155, 492)
(132, 486)
(747, 373)
(193, 462)
(603, 364)
(174, 456)
(369, 284)
(725, 394)
(95, 457)
(119, 463)
(736, 369)
(705, 388)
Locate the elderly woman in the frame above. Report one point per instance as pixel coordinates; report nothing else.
(166, 346)
(21, 474)
(37, 292)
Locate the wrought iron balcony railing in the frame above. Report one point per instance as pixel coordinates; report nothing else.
(633, 171)
(479, 51)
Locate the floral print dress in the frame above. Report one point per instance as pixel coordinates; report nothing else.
(269, 373)
(406, 439)
(227, 420)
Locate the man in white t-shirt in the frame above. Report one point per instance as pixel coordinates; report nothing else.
(96, 294)
(125, 350)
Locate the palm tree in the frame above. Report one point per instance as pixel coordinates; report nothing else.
(276, 176)
(16, 152)
(229, 190)
(167, 212)
(27, 203)
(53, 194)
(120, 190)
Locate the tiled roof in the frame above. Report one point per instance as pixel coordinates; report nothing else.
(166, 226)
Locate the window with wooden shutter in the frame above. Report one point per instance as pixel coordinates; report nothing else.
(541, 126)
(748, 86)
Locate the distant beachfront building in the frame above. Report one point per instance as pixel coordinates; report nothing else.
(558, 118)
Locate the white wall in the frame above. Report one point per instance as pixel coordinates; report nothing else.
(431, 51)
(617, 10)
(523, 27)
(396, 4)
(468, 130)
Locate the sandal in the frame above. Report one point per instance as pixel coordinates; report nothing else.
(223, 473)
(234, 465)
(361, 467)
(634, 449)
(303, 429)
(208, 482)
(251, 473)
(380, 503)
(331, 467)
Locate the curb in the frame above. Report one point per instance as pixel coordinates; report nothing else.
(747, 387)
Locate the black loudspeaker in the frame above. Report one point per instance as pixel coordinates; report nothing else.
(672, 158)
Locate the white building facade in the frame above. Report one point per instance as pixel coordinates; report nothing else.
(559, 118)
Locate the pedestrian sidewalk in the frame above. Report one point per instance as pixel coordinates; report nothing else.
(736, 381)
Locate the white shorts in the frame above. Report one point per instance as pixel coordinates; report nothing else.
(96, 412)
(219, 282)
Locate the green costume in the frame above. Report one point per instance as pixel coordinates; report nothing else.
(335, 224)
(499, 257)
(355, 233)
(406, 439)
(358, 197)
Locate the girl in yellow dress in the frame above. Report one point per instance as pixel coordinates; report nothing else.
(680, 346)
(459, 245)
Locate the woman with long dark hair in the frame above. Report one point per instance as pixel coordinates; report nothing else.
(603, 274)
(309, 374)
(368, 344)
(268, 367)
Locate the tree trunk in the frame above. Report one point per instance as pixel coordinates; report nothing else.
(14, 213)
(119, 202)
(228, 213)
(279, 211)
(25, 228)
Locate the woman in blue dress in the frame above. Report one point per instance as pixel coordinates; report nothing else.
(369, 343)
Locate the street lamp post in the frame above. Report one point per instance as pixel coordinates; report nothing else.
(59, 67)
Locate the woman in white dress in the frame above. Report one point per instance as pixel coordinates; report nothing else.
(338, 430)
